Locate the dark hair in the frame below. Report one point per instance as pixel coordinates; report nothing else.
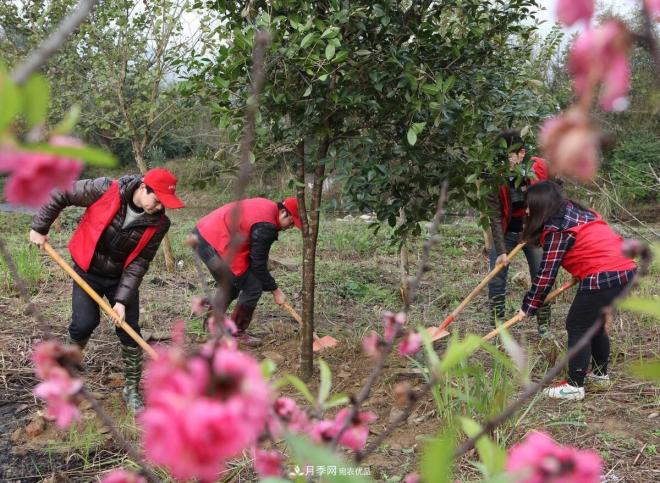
(280, 206)
(509, 141)
(544, 200)
(149, 190)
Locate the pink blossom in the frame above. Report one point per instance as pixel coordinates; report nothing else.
(653, 7)
(59, 389)
(598, 56)
(33, 175)
(322, 431)
(371, 344)
(287, 411)
(355, 436)
(410, 344)
(123, 476)
(200, 305)
(572, 11)
(412, 478)
(392, 322)
(571, 144)
(202, 410)
(539, 459)
(268, 463)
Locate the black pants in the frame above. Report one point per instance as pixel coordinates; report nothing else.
(86, 312)
(246, 287)
(584, 312)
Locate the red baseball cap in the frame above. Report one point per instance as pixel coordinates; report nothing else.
(163, 183)
(291, 205)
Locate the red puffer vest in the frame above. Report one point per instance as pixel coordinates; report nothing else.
(93, 223)
(215, 228)
(540, 169)
(597, 249)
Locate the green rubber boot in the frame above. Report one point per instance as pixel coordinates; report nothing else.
(132, 357)
(82, 343)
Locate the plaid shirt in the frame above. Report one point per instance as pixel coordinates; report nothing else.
(555, 245)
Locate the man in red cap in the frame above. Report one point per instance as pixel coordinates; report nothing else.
(112, 247)
(259, 223)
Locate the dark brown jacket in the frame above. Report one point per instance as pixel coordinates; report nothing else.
(115, 243)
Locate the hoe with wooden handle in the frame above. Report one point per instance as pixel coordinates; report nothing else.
(517, 318)
(102, 303)
(440, 331)
(320, 343)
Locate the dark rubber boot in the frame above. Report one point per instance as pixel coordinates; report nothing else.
(497, 311)
(132, 357)
(242, 316)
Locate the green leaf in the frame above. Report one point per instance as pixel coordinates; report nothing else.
(329, 51)
(336, 400)
(641, 306)
(418, 126)
(307, 40)
(69, 121)
(301, 387)
(492, 455)
(459, 350)
(330, 33)
(323, 77)
(341, 56)
(36, 96)
(437, 459)
(308, 91)
(10, 100)
(307, 454)
(412, 136)
(428, 347)
(93, 156)
(363, 52)
(268, 368)
(326, 381)
(648, 370)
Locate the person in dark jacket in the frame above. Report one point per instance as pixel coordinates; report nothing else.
(112, 247)
(506, 213)
(580, 241)
(259, 222)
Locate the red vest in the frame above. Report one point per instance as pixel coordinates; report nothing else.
(93, 223)
(540, 169)
(215, 228)
(597, 248)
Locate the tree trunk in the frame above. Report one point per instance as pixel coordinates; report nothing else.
(310, 219)
(138, 154)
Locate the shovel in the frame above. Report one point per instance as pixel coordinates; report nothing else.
(440, 331)
(517, 318)
(320, 343)
(102, 303)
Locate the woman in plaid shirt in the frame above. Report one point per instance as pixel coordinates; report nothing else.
(580, 241)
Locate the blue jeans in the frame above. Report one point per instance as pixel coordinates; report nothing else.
(497, 286)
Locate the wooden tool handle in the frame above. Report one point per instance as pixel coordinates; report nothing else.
(297, 316)
(102, 303)
(518, 317)
(451, 317)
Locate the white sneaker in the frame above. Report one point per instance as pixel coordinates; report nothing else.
(603, 381)
(564, 390)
